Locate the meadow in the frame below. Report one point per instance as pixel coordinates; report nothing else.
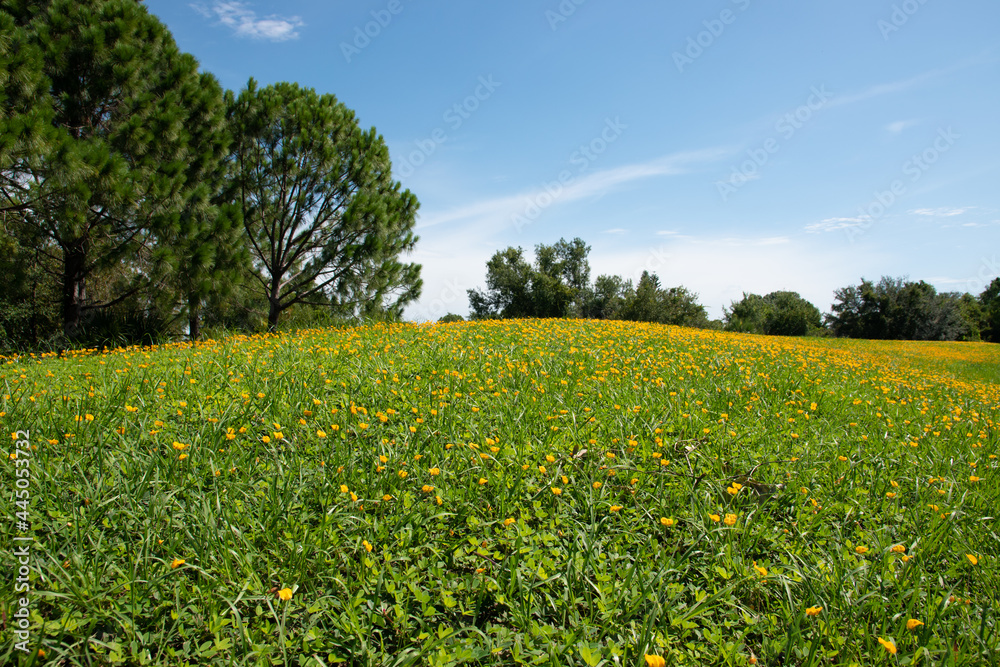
(499, 493)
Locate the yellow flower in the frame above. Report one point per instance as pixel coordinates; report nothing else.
(426, 488)
(403, 474)
(762, 571)
(890, 494)
(550, 458)
(386, 498)
(913, 624)
(367, 545)
(655, 661)
(556, 491)
(180, 446)
(973, 478)
(177, 562)
(615, 508)
(889, 645)
(320, 433)
(841, 458)
(182, 457)
(597, 485)
(972, 559)
(435, 471)
(507, 522)
(482, 480)
(861, 550)
(803, 490)
(285, 594)
(541, 470)
(730, 519)
(813, 611)
(715, 517)
(899, 549)
(343, 488)
(668, 522)
(266, 439)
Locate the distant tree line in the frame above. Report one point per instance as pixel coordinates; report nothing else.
(139, 200)
(557, 284)
(894, 308)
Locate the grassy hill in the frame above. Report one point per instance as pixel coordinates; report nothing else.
(517, 492)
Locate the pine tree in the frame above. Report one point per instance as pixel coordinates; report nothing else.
(132, 128)
(325, 221)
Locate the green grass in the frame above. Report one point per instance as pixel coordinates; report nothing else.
(257, 462)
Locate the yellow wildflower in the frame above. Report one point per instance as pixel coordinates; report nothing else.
(889, 645)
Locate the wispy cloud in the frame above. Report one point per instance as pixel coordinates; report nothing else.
(834, 224)
(899, 86)
(244, 22)
(943, 212)
(499, 210)
(900, 125)
(616, 230)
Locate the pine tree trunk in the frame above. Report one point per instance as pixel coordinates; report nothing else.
(194, 318)
(74, 287)
(272, 314)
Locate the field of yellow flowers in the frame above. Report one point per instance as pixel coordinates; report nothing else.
(499, 493)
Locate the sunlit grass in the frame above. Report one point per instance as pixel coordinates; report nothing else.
(532, 492)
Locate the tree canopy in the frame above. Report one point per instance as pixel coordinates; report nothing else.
(557, 284)
(776, 314)
(895, 308)
(324, 218)
(134, 194)
(122, 134)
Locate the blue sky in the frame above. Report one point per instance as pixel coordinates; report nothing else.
(727, 145)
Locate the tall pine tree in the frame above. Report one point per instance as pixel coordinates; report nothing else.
(133, 130)
(326, 222)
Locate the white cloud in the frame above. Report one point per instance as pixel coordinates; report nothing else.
(719, 270)
(835, 224)
(616, 230)
(500, 211)
(900, 125)
(244, 22)
(943, 212)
